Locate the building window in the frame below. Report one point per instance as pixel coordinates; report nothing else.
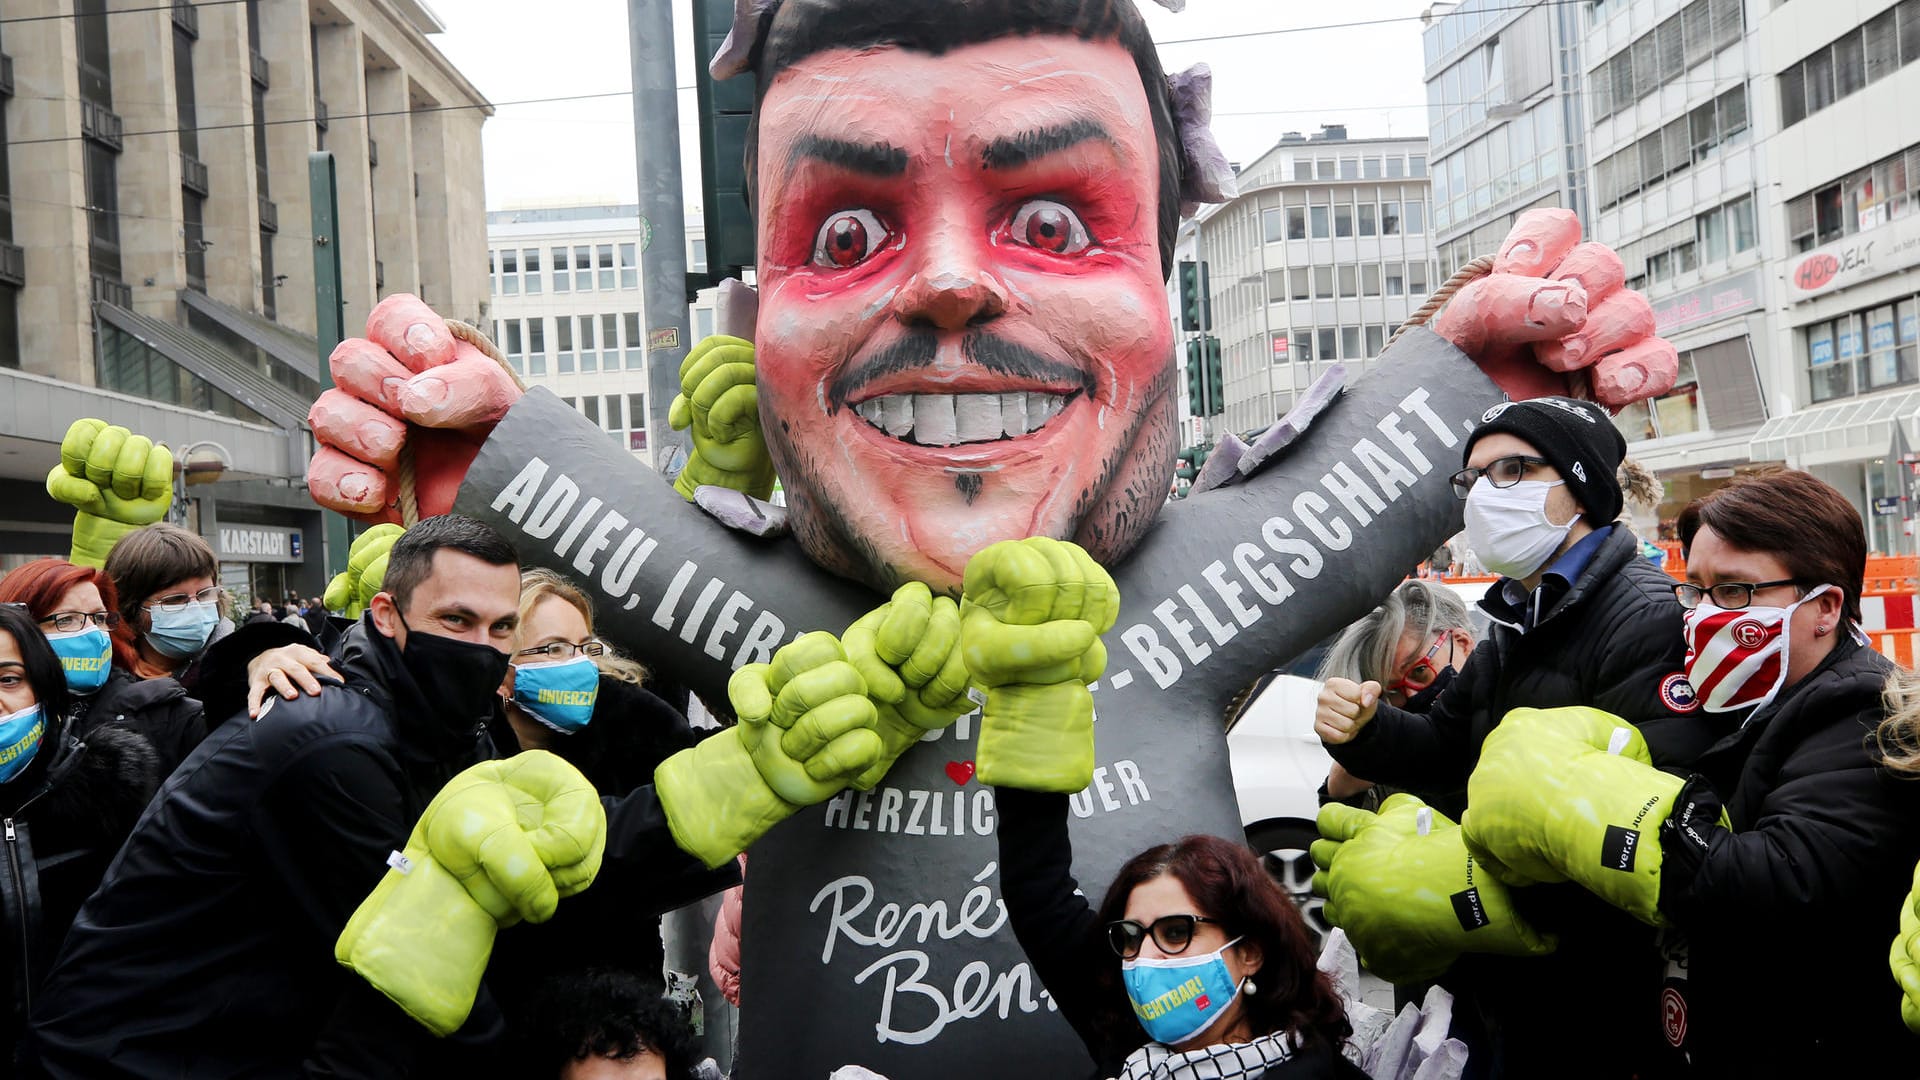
(1350, 343)
(1370, 168)
(1390, 218)
(582, 268)
(1376, 340)
(1885, 191)
(1396, 281)
(1323, 169)
(1297, 284)
(1322, 226)
(590, 407)
(269, 280)
(698, 258)
(1864, 350)
(563, 341)
(1296, 223)
(636, 352)
(1683, 142)
(606, 266)
(530, 266)
(1276, 286)
(1370, 279)
(1343, 219)
(1863, 55)
(1367, 213)
(1328, 345)
(1414, 220)
(1348, 286)
(589, 358)
(1323, 282)
(615, 409)
(630, 263)
(562, 280)
(194, 236)
(1349, 168)
(187, 116)
(1303, 344)
(702, 322)
(1274, 223)
(1417, 279)
(610, 342)
(1664, 54)
(509, 272)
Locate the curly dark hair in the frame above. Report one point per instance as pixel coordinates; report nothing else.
(1228, 883)
(611, 1014)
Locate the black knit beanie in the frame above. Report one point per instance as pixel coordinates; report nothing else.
(1577, 437)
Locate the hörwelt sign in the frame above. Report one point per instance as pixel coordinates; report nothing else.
(1860, 257)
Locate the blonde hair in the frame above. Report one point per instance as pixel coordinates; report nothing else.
(1899, 734)
(537, 584)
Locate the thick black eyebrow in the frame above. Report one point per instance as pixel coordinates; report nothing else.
(873, 159)
(1013, 151)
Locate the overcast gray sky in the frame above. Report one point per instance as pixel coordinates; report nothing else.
(574, 152)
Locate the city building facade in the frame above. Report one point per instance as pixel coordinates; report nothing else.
(567, 307)
(1321, 256)
(156, 256)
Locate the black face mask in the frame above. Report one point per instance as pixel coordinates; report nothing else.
(459, 679)
(1422, 701)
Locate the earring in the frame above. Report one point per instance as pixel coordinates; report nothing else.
(1247, 985)
(1821, 631)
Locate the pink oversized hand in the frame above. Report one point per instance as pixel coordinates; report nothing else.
(1554, 307)
(408, 381)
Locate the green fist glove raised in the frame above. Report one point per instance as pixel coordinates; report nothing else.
(908, 651)
(719, 400)
(353, 589)
(1906, 956)
(1571, 794)
(503, 841)
(1031, 615)
(1410, 898)
(116, 482)
(806, 731)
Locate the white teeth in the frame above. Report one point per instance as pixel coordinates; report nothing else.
(934, 421)
(977, 417)
(948, 419)
(1013, 414)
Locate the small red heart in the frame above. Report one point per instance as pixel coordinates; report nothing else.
(959, 771)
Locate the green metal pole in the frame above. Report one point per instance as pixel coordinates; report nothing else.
(330, 315)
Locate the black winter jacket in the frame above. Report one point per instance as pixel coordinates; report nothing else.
(157, 709)
(1788, 916)
(1612, 640)
(61, 821)
(208, 949)
(1060, 933)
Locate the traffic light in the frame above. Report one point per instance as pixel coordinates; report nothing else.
(1216, 379)
(1196, 310)
(1196, 378)
(725, 109)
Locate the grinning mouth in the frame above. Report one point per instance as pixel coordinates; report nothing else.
(958, 419)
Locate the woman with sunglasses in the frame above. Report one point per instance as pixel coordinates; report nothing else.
(68, 802)
(1195, 965)
(1412, 645)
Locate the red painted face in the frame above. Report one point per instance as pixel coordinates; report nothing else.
(963, 333)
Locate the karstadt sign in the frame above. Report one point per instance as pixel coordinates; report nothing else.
(260, 544)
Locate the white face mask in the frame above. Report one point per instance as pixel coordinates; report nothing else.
(1509, 529)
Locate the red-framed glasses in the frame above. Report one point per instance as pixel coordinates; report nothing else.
(1424, 670)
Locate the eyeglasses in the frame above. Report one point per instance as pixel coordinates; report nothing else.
(563, 650)
(1727, 596)
(177, 602)
(1501, 473)
(1423, 672)
(69, 622)
(1173, 933)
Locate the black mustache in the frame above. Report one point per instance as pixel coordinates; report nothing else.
(920, 347)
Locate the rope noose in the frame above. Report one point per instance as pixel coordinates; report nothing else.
(1578, 382)
(409, 494)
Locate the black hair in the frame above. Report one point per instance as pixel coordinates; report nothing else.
(45, 677)
(411, 560)
(610, 1014)
(792, 30)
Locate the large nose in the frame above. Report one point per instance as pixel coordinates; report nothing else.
(954, 286)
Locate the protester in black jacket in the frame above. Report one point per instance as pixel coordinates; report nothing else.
(1580, 619)
(1283, 1010)
(66, 805)
(208, 949)
(1781, 922)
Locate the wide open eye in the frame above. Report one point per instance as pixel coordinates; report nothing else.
(1050, 227)
(847, 238)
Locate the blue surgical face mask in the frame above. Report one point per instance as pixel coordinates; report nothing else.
(558, 694)
(1181, 996)
(87, 656)
(181, 635)
(20, 736)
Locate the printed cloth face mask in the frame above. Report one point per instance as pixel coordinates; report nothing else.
(182, 634)
(560, 693)
(20, 736)
(87, 656)
(1181, 996)
(1508, 527)
(1738, 658)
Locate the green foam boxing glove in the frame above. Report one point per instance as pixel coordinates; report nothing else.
(503, 841)
(1410, 898)
(116, 482)
(1906, 956)
(806, 731)
(1571, 794)
(908, 651)
(1031, 615)
(353, 589)
(720, 400)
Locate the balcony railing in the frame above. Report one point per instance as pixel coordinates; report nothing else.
(186, 18)
(258, 65)
(269, 215)
(13, 264)
(99, 123)
(193, 175)
(319, 114)
(112, 292)
(6, 75)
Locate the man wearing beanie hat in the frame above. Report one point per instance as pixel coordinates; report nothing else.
(1578, 618)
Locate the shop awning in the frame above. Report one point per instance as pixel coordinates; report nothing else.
(1858, 429)
(232, 376)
